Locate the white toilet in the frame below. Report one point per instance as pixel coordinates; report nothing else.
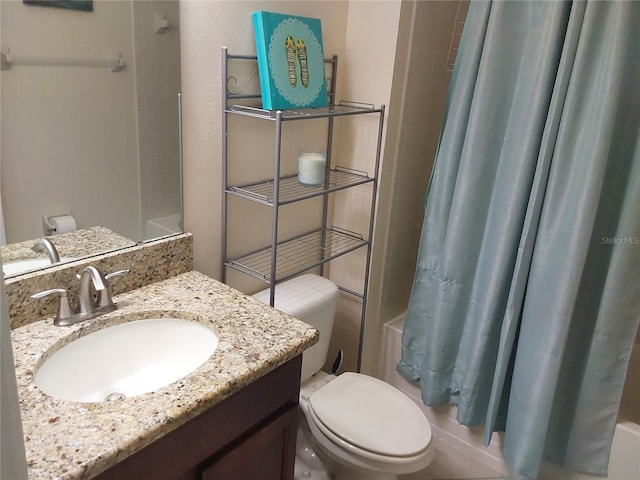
(357, 427)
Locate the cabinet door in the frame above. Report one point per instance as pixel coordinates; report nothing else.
(269, 454)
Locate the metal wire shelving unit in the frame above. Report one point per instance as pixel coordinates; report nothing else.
(283, 259)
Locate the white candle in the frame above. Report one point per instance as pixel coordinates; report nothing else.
(311, 168)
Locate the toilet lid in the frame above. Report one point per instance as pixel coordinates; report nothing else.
(372, 415)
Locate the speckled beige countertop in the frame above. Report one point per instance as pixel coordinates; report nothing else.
(68, 440)
(76, 244)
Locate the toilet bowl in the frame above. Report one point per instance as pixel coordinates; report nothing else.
(353, 426)
(366, 428)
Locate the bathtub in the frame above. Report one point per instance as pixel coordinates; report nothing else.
(159, 227)
(624, 461)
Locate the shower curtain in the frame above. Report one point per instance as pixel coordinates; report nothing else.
(525, 301)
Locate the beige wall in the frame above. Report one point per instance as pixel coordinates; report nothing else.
(391, 52)
(426, 86)
(59, 122)
(207, 26)
(429, 34)
(366, 74)
(363, 35)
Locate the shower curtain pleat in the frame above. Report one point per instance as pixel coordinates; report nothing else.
(525, 300)
(522, 266)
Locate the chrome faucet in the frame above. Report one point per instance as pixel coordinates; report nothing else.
(88, 308)
(85, 299)
(43, 245)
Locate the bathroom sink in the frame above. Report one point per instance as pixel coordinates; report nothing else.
(127, 359)
(22, 266)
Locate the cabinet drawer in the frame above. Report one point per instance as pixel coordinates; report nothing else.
(268, 454)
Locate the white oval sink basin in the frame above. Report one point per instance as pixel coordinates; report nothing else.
(22, 266)
(126, 360)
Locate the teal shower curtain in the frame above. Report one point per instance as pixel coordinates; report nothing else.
(526, 298)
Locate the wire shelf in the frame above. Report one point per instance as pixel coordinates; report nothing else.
(299, 253)
(342, 109)
(290, 190)
(282, 260)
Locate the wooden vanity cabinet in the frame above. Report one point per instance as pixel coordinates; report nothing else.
(250, 435)
(269, 453)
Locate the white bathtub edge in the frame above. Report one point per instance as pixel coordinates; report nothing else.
(624, 462)
(481, 461)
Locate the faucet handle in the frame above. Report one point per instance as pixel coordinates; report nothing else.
(108, 276)
(64, 307)
(117, 274)
(104, 296)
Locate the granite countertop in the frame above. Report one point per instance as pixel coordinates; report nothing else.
(75, 244)
(69, 440)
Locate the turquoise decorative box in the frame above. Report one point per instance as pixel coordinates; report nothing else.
(290, 61)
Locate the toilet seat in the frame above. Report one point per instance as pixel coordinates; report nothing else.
(318, 428)
(370, 418)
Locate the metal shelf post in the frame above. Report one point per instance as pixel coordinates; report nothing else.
(285, 259)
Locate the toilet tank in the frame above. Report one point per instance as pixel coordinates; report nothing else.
(312, 299)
